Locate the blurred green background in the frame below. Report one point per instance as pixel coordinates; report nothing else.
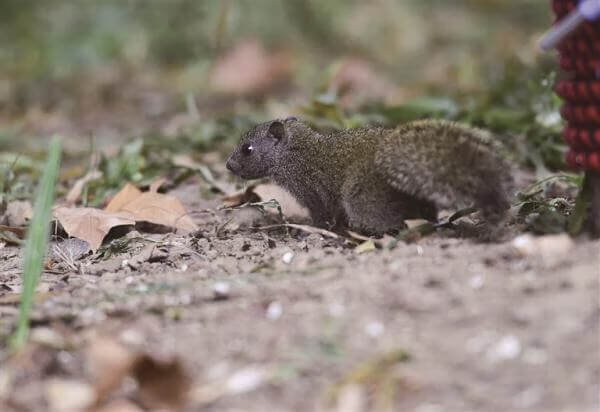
(117, 69)
(133, 85)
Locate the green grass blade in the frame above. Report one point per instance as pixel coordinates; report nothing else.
(37, 240)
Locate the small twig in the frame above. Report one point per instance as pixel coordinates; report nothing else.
(304, 228)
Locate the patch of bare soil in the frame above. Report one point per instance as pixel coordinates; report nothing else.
(272, 319)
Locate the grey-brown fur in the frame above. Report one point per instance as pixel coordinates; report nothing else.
(372, 179)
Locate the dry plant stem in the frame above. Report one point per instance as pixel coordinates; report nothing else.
(304, 228)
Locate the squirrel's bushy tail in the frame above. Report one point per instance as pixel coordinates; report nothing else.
(450, 164)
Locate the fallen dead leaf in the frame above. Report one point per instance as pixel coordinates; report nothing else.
(240, 197)
(160, 209)
(161, 384)
(19, 231)
(12, 235)
(153, 207)
(366, 246)
(18, 213)
(119, 405)
(125, 195)
(108, 362)
(262, 71)
(90, 224)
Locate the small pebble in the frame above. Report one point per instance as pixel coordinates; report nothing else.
(245, 380)
(221, 290)
(507, 348)
(374, 329)
(274, 310)
(287, 257)
(476, 282)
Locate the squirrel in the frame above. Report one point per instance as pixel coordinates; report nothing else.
(372, 179)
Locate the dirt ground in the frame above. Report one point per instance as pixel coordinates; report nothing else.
(267, 320)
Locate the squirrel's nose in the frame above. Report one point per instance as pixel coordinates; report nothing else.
(230, 165)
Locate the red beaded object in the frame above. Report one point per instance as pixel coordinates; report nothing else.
(580, 58)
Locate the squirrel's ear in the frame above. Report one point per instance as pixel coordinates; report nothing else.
(277, 130)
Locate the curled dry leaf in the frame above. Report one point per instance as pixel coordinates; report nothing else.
(125, 195)
(162, 384)
(18, 213)
(240, 197)
(160, 209)
(152, 207)
(12, 235)
(109, 363)
(119, 405)
(263, 71)
(89, 224)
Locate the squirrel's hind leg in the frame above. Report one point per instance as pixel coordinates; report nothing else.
(372, 209)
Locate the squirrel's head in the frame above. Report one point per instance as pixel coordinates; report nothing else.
(258, 152)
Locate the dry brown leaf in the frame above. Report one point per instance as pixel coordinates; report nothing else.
(109, 362)
(262, 70)
(19, 232)
(357, 82)
(89, 224)
(240, 197)
(160, 209)
(119, 405)
(125, 195)
(161, 384)
(152, 207)
(18, 213)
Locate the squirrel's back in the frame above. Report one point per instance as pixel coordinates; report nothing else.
(448, 163)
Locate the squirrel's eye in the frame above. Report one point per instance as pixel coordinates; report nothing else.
(247, 149)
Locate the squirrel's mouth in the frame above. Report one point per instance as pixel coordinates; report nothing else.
(233, 166)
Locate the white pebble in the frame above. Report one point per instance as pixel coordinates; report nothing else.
(476, 282)
(287, 257)
(507, 348)
(221, 290)
(245, 380)
(374, 329)
(274, 310)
